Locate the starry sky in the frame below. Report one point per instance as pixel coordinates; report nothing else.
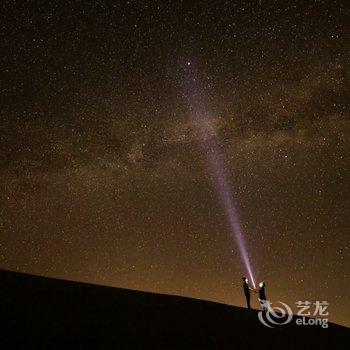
(101, 175)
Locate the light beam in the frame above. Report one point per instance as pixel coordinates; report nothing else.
(207, 139)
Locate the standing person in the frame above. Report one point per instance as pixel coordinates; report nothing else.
(246, 290)
(262, 296)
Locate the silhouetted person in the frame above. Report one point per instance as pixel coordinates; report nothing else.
(247, 290)
(262, 296)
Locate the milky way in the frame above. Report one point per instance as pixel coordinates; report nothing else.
(102, 179)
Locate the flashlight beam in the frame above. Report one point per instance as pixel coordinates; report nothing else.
(221, 182)
(208, 143)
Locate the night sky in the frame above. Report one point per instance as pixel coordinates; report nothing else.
(102, 175)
